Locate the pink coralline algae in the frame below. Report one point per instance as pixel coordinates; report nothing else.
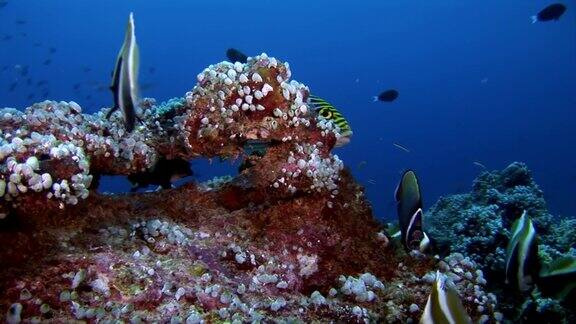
(291, 237)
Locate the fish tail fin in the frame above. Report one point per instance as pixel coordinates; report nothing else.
(375, 98)
(534, 19)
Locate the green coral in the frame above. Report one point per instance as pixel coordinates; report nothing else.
(172, 105)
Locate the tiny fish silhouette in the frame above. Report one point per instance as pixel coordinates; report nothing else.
(235, 55)
(552, 12)
(387, 96)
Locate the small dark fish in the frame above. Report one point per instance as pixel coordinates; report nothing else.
(45, 94)
(151, 70)
(387, 96)
(52, 50)
(5, 67)
(21, 22)
(235, 55)
(86, 69)
(88, 97)
(29, 81)
(76, 86)
(36, 44)
(30, 96)
(47, 62)
(12, 86)
(7, 37)
(552, 12)
(163, 173)
(3, 3)
(23, 34)
(41, 83)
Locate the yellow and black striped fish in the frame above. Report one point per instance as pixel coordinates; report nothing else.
(327, 111)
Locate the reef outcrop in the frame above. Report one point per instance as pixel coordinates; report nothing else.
(290, 237)
(50, 152)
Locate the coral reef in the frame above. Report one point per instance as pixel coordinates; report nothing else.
(180, 256)
(291, 237)
(52, 150)
(478, 225)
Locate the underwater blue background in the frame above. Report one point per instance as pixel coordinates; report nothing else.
(477, 81)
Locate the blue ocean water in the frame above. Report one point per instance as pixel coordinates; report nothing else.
(478, 82)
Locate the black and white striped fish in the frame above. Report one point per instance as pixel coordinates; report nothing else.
(444, 304)
(409, 204)
(125, 78)
(522, 263)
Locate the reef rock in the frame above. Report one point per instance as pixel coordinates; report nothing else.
(290, 237)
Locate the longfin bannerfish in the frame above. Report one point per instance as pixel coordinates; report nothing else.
(444, 304)
(329, 112)
(522, 265)
(125, 78)
(409, 205)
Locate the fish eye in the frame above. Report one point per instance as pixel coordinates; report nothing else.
(326, 114)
